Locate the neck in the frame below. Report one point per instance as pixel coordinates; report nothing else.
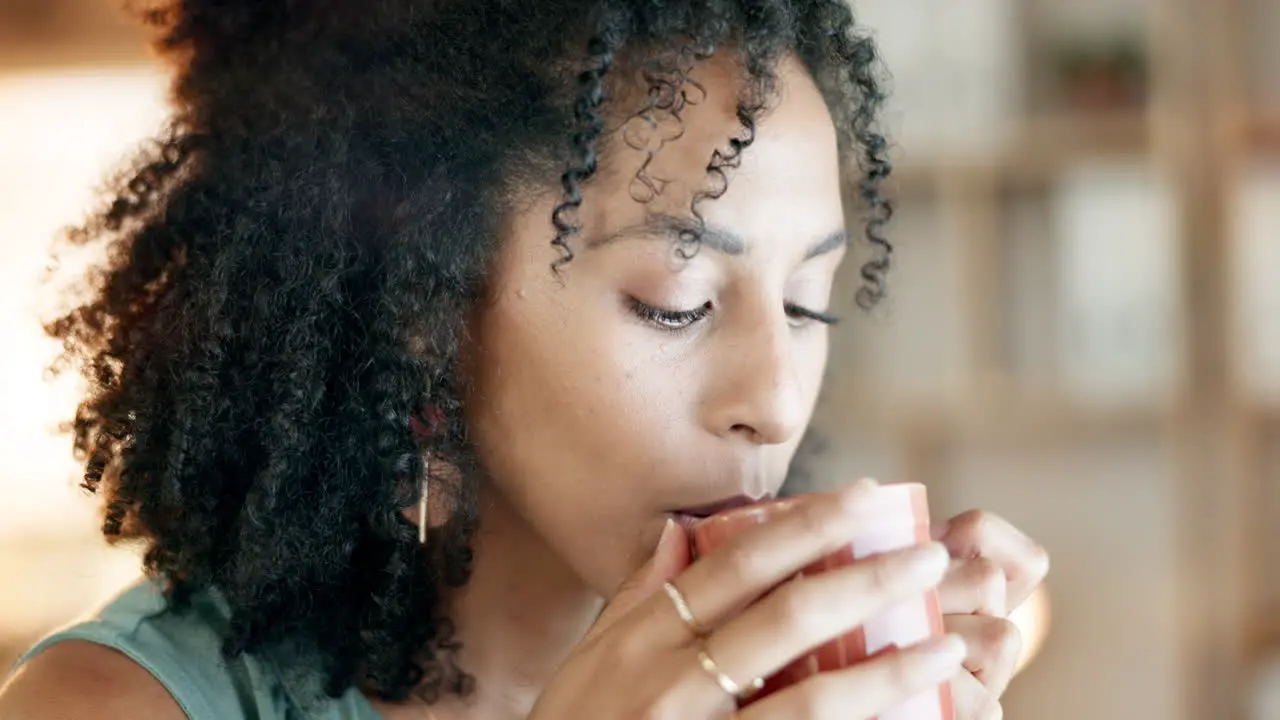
(519, 616)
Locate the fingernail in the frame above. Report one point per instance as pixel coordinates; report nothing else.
(852, 495)
(944, 656)
(929, 562)
(667, 530)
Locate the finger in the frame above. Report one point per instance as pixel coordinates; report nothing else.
(972, 701)
(865, 690)
(805, 613)
(669, 558)
(994, 647)
(981, 534)
(753, 562)
(974, 586)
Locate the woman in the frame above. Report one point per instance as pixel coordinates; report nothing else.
(423, 322)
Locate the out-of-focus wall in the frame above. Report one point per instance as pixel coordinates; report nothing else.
(1082, 329)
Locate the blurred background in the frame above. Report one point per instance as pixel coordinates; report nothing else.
(1083, 333)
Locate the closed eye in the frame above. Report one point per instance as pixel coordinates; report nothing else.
(679, 320)
(669, 320)
(801, 316)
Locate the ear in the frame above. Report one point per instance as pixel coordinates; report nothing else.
(444, 477)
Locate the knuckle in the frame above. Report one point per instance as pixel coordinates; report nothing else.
(793, 612)
(986, 572)
(815, 521)
(628, 648)
(966, 533)
(979, 523)
(654, 711)
(666, 697)
(817, 695)
(899, 674)
(665, 707)
(745, 559)
(991, 583)
(882, 575)
(646, 711)
(1004, 640)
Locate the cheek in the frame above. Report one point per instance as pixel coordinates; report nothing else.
(565, 401)
(816, 358)
(579, 431)
(809, 365)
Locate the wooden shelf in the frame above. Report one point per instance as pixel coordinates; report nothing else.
(1262, 132)
(1027, 414)
(58, 33)
(1261, 415)
(1043, 149)
(1263, 636)
(1065, 138)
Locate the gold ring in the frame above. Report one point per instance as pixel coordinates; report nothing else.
(682, 609)
(727, 683)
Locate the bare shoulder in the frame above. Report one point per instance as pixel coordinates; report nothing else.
(76, 679)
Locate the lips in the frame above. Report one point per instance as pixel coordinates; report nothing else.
(689, 517)
(703, 511)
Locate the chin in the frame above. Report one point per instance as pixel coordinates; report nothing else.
(605, 575)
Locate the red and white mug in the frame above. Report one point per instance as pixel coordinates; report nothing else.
(897, 517)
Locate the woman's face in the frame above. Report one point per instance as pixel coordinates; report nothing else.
(638, 382)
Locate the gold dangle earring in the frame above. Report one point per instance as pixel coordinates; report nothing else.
(422, 503)
(425, 427)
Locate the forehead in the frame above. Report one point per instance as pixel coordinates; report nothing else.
(787, 183)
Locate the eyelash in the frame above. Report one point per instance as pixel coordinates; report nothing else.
(675, 321)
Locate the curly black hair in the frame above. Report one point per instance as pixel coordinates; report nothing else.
(291, 264)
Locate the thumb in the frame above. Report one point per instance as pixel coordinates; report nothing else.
(669, 559)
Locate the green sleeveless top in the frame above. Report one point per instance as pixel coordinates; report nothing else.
(183, 652)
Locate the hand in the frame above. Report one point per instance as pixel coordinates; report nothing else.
(995, 569)
(640, 660)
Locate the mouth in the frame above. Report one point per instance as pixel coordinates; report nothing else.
(689, 517)
(705, 511)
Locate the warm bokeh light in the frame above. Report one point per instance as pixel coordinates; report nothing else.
(1033, 618)
(60, 134)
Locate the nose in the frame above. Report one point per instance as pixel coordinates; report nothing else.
(756, 392)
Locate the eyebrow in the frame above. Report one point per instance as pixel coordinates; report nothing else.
(664, 226)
